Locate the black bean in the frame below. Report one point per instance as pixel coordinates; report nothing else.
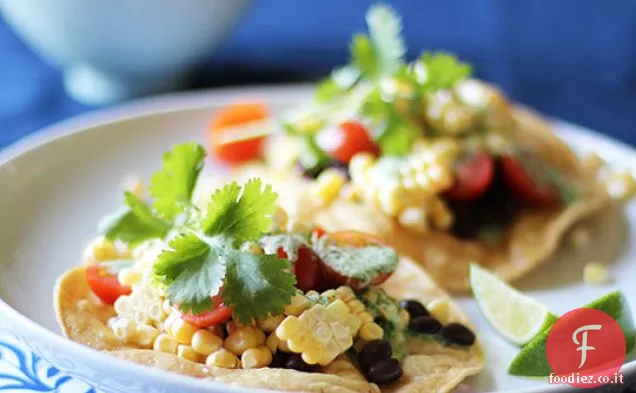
(414, 308)
(427, 325)
(380, 320)
(296, 362)
(315, 171)
(279, 360)
(385, 371)
(373, 352)
(458, 334)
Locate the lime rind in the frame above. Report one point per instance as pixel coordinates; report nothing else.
(516, 317)
(532, 360)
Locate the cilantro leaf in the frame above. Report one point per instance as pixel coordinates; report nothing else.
(363, 56)
(133, 223)
(337, 84)
(172, 186)
(382, 53)
(258, 285)
(398, 137)
(193, 270)
(385, 29)
(242, 214)
(440, 70)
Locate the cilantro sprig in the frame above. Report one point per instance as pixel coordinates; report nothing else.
(203, 255)
(377, 59)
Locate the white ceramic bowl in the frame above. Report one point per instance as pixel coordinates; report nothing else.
(118, 49)
(55, 186)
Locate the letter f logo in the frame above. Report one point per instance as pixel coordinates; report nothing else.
(583, 343)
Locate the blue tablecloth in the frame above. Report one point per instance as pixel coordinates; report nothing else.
(573, 59)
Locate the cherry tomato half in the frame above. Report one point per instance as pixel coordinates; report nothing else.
(306, 268)
(236, 115)
(473, 176)
(219, 314)
(333, 278)
(346, 140)
(105, 285)
(522, 183)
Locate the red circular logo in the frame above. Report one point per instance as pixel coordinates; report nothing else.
(585, 348)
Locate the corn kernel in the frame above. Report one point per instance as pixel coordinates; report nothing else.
(391, 200)
(360, 163)
(328, 185)
(272, 343)
(365, 317)
(371, 331)
(182, 331)
(356, 306)
(595, 273)
(297, 305)
(125, 329)
(621, 186)
(345, 293)
(186, 352)
(146, 335)
(260, 336)
(99, 250)
(128, 277)
(204, 342)
(414, 218)
(256, 358)
(270, 324)
(123, 306)
(440, 309)
(320, 334)
(242, 339)
(165, 343)
(222, 358)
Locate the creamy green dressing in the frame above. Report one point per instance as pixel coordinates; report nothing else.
(289, 243)
(380, 304)
(363, 263)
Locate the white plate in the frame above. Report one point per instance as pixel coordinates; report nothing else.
(57, 184)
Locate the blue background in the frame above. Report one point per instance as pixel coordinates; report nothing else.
(574, 59)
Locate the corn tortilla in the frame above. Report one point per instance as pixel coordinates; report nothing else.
(431, 367)
(531, 239)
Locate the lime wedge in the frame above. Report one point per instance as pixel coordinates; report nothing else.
(517, 317)
(532, 361)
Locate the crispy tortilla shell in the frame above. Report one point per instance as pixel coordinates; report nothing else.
(431, 368)
(532, 238)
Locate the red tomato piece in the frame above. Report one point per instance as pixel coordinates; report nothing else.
(306, 268)
(105, 285)
(346, 140)
(319, 232)
(219, 314)
(333, 278)
(473, 176)
(236, 115)
(536, 192)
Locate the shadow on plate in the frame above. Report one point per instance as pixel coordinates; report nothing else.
(609, 234)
